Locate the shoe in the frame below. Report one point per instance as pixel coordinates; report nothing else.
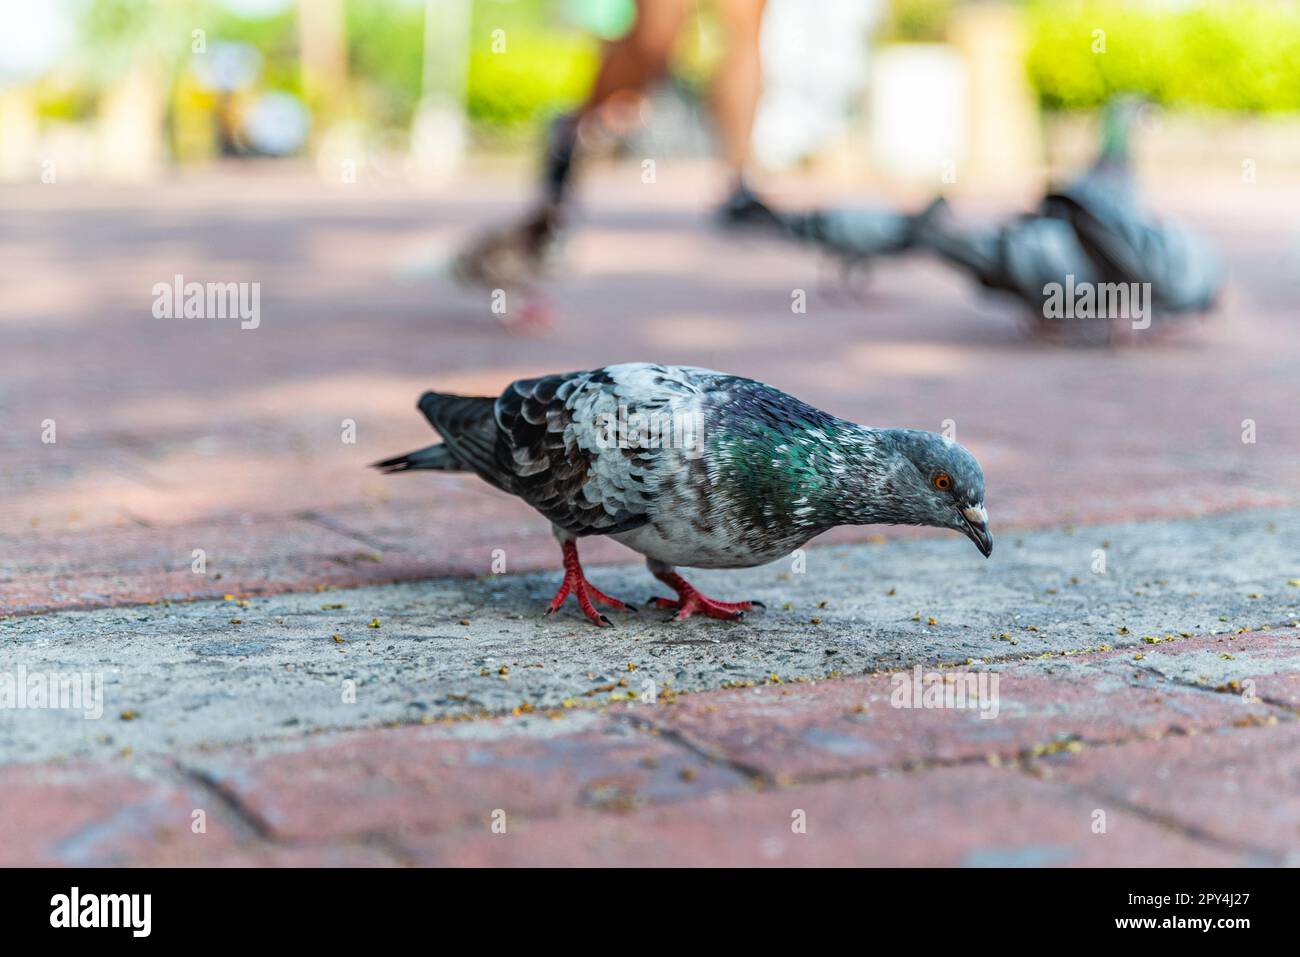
(744, 210)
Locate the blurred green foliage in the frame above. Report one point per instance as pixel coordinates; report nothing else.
(546, 66)
(275, 37)
(385, 59)
(1242, 55)
(545, 74)
(916, 21)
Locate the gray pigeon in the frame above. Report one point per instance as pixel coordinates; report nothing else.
(1125, 241)
(855, 235)
(693, 467)
(1092, 231)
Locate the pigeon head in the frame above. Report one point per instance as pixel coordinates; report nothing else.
(934, 481)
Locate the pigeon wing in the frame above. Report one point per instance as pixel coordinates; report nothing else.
(560, 442)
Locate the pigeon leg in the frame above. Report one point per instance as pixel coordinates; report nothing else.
(536, 315)
(587, 593)
(690, 601)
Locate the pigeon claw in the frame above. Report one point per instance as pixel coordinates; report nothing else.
(535, 315)
(693, 603)
(588, 595)
(690, 601)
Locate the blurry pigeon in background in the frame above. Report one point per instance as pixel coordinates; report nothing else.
(515, 259)
(1092, 231)
(856, 234)
(693, 467)
(853, 235)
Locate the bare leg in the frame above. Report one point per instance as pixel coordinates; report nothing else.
(627, 67)
(739, 81)
(517, 256)
(641, 56)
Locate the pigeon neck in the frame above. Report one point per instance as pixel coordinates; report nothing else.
(854, 463)
(808, 477)
(873, 490)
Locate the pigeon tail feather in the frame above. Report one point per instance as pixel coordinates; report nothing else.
(431, 457)
(469, 429)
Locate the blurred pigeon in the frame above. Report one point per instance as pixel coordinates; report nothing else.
(518, 257)
(693, 467)
(854, 235)
(1127, 243)
(515, 259)
(1091, 232)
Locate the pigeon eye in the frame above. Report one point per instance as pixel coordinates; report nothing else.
(942, 481)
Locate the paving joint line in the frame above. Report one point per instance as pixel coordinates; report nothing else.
(754, 775)
(1175, 825)
(330, 524)
(228, 800)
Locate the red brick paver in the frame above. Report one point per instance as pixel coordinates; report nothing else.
(1083, 766)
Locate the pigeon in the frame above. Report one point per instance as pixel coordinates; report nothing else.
(1091, 231)
(516, 259)
(856, 235)
(1127, 243)
(692, 467)
(853, 235)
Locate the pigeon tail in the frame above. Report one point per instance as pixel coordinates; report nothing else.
(981, 252)
(431, 457)
(469, 429)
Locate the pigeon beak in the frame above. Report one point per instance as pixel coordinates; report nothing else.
(975, 526)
